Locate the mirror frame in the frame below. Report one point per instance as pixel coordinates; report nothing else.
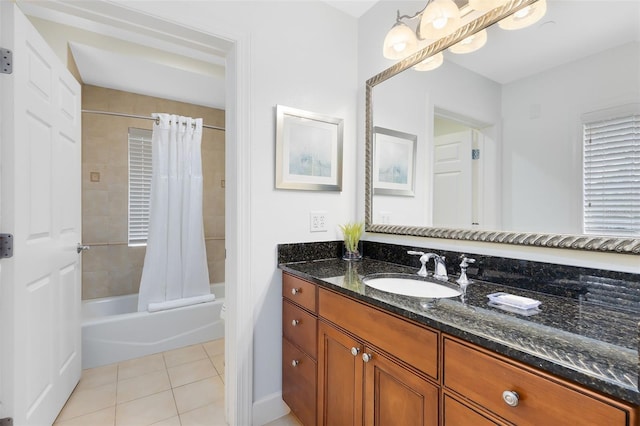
(564, 241)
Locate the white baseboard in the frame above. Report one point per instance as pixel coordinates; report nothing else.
(269, 408)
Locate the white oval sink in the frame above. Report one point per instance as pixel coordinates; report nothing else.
(412, 287)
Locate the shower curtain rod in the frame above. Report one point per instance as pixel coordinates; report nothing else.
(143, 117)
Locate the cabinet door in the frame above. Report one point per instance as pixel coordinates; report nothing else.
(339, 378)
(394, 395)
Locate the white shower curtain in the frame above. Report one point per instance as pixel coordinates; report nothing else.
(175, 264)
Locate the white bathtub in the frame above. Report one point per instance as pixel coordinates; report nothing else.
(113, 331)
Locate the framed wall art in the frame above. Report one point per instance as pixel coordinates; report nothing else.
(308, 150)
(394, 156)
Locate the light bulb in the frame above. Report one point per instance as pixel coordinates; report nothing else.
(524, 17)
(440, 18)
(431, 63)
(471, 43)
(399, 42)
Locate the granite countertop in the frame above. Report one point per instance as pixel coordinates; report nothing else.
(585, 342)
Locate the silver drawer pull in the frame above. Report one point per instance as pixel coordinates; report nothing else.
(295, 363)
(295, 291)
(295, 322)
(511, 398)
(355, 351)
(367, 357)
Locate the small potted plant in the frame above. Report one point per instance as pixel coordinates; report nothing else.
(352, 247)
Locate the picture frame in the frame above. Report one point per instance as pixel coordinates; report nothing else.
(394, 157)
(308, 150)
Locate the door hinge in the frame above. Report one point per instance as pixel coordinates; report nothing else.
(6, 250)
(7, 421)
(6, 67)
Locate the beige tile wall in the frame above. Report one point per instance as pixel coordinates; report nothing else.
(110, 267)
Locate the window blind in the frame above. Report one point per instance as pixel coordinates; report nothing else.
(140, 168)
(612, 176)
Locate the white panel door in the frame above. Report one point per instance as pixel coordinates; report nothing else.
(40, 157)
(452, 196)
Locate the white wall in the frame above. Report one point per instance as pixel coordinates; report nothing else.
(372, 27)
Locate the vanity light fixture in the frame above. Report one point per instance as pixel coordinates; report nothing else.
(471, 43)
(524, 17)
(440, 18)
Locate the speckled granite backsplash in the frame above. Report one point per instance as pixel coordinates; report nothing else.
(618, 289)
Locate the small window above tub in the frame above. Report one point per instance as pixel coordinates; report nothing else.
(140, 168)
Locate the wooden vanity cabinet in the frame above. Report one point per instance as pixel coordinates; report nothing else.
(481, 377)
(359, 383)
(414, 375)
(299, 350)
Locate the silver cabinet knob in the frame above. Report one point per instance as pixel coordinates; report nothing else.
(295, 291)
(80, 248)
(511, 398)
(295, 363)
(367, 357)
(355, 351)
(295, 322)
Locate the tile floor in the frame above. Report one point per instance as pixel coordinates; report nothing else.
(182, 387)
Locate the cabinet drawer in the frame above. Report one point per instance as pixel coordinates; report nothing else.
(455, 414)
(299, 327)
(299, 291)
(483, 378)
(415, 345)
(299, 383)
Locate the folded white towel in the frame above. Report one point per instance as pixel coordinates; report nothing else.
(178, 303)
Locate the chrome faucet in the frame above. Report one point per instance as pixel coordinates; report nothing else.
(463, 280)
(439, 270)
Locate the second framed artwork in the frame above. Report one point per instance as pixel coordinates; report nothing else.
(308, 150)
(394, 157)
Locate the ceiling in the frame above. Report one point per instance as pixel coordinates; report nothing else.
(354, 8)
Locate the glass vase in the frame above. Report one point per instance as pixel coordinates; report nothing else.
(352, 255)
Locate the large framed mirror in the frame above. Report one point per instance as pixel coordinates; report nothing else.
(529, 140)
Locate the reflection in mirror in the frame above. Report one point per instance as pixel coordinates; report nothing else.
(501, 132)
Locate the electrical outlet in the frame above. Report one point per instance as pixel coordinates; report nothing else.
(385, 217)
(318, 221)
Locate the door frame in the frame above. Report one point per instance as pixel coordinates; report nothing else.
(239, 324)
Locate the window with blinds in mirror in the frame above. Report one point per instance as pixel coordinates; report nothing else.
(612, 173)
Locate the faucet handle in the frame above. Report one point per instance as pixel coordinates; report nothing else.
(423, 260)
(466, 261)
